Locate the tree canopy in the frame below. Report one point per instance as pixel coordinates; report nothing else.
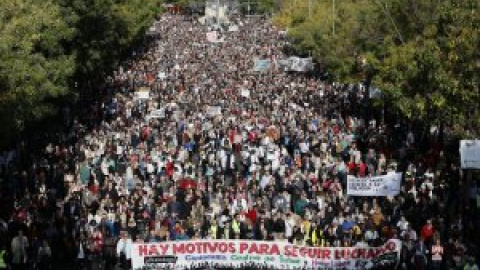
(33, 65)
(46, 45)
(423, 55)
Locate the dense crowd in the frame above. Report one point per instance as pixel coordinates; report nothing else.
(218, 151)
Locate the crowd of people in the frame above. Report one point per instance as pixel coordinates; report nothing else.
(218, 151)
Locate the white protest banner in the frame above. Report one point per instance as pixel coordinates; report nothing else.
(283, 63)
(214, 36)
(245, 93)
(261, 64)
(300, 64)
(233, 28)
(276, 255)
(384, 185)
(156, 114)
(142, 95)
(162, 75)
(213, 111)
(470, 154)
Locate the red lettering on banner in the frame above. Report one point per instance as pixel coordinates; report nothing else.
(338, 254)
(212, 247)
(361, 253)
(295, 252)
(263, 249)
(354, 254)
(348, 253)
(163, 248)
(152, 250)
(178, 248)
(303, 251)
(312, 253)
(200, 247)
(287, 251)
(231, 247)
(142, 250)
(190, 248)
(253, 248)
(326, 253)
(344, 254)
(274, 250)
(370, 254)
(243, 247)
(223, 247)
(318, 253)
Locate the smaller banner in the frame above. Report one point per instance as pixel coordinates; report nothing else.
(470, 154)
(156, 114)
(245, 93)
(296, 64)
(214, 36)
(233, 28)
(283, 64)
(300, 64)
(213, 111)
(162, 75)
(142, 95)
(261, 64)
(385, 185)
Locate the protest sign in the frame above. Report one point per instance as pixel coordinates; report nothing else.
(276, 255)
(300, 64)
(261, 64)
(160, 113)
(297, 64)
(233, 28)
(385, 185)
(213, 111)
(245, 93)
(470, 154)
(214, 36)
(283, 63)
(162, 75)
(142, 95)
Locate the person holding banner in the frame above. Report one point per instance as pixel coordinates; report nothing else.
(124, 247)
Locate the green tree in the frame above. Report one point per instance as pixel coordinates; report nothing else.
(104, 32)
(34, 68)
(434, 76)
(47, 45)
(423, 55)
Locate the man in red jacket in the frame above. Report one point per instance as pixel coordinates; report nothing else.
(427, 232)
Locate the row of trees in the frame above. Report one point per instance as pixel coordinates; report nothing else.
(50, 49)
(423, 55)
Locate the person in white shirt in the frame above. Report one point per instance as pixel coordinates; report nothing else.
(371, 235)
(402, 224)
(124, 247)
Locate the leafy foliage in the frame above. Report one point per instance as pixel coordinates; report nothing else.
(423, 55)
(105, 30)
(46, 45)
(33, 66)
